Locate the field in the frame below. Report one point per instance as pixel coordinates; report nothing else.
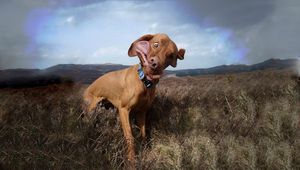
(234, 121)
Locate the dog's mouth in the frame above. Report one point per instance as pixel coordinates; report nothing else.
(143, 58)
(142, 49)
(151, 73)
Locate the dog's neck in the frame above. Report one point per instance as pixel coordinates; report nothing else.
(146, 79)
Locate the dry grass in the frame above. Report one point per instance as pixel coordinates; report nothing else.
(238, 121)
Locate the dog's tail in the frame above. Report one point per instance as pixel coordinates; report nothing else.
(87, 101)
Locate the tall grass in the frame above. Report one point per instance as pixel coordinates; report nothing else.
(237, 121)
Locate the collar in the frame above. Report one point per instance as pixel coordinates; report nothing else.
(143, 77)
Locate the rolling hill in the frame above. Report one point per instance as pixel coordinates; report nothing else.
(88, 73)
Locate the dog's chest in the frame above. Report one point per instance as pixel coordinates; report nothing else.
(143, 98)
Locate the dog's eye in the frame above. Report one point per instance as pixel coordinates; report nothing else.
(155, 45)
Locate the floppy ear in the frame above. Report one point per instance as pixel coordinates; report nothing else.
(140, 43)
(180, 56)
(181, 53)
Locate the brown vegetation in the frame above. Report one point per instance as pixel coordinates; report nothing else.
(236, 121)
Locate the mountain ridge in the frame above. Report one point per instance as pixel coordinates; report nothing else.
(238, 68)
(87, 73)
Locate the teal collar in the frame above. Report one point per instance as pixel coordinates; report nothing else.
(143, 77)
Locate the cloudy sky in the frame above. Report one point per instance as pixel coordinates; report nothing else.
(42, 33)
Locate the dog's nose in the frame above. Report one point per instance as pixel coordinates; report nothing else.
(153, 63)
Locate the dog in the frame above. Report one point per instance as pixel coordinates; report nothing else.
(132, 90)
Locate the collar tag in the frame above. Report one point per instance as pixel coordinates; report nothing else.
(148, 83)
(141, 74)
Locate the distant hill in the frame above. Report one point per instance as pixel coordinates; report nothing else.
(55, 74)
(225, 69)
(89, 72)
(83, 73)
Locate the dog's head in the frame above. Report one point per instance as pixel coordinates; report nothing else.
(156, 52)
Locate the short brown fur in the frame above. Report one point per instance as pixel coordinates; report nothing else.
(127, 92)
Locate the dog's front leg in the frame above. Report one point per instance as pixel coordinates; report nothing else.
(124, 118)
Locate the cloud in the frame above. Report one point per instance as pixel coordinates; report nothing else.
(277, 36)
(12, 38)
(41, 33)
(235, 14)
(206, 47)
(70, 20)
(269, 28)
(105, 34)
(105, 54)
(14, 49)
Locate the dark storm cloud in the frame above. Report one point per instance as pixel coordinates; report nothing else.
(235, 14)
(72, 3)
(268, 28)
(13, 39)
(278, 36)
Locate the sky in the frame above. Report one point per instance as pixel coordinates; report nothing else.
(43, 33)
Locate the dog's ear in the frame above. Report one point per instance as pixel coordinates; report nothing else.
(180, 56)
(140, 44)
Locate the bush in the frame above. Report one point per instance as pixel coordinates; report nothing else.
(199, 152)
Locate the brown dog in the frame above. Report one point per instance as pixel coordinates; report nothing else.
(132, 90)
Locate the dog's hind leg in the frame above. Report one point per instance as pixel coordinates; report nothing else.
(95, 102)
(90, 101)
